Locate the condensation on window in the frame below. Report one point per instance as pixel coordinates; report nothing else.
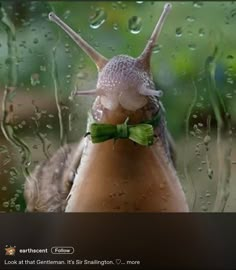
(194, 63)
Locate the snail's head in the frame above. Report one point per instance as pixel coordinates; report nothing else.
(122, 81)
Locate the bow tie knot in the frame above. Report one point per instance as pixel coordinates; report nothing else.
(142, 133)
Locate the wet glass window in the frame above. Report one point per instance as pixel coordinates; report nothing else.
(193, 63)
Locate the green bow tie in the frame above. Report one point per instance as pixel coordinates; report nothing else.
(142, 133)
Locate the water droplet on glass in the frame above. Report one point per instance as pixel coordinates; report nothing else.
(82, 75)
(192, 47)
(12, 181)
(114, 5)
(197, 4)
(34, 79)
(230, 80)
(49, 126)
(115, 26)
(66, 14)
(190, 19)
(230, 57)
(35, 41)
(201, 32)
(156, 48)
(207, 139)
(229, 96)
(204, 208)
(17, 207)
(97, 19)
(5, 204)
(178, 31)
(135, 24)
(13, 172)
(210, 173)
(4, 188)
(43, 68)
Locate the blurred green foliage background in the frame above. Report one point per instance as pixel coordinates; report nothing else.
(193, 63)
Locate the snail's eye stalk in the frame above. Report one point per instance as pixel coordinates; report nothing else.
(99, 60)
(145, 56)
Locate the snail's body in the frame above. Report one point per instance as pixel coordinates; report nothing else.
(116, 175)
(122, 176)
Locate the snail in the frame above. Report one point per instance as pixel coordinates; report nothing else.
(125, 163)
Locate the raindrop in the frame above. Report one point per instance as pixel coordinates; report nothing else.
(178, 31)
(66, 14)
(82, 75)
(139, 2)
(123, 6)
(192, 47)
(97, 19)
(204, 208)
(233, 13)
(13, 172)
(135, 24)
(197, 4)
(190, 19)
(207, 139)
(210, 173)
(229, 96)
(5, 204)
(17, 207)
(35, 41)
(43, 68)
(199, 105)
(34, 79)
(49, 126)
(156, 48)
(230, 80)
(230, 57)
(114, 5)
(12, 181)
(115, 26)
(201, 32)
(4, 188)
